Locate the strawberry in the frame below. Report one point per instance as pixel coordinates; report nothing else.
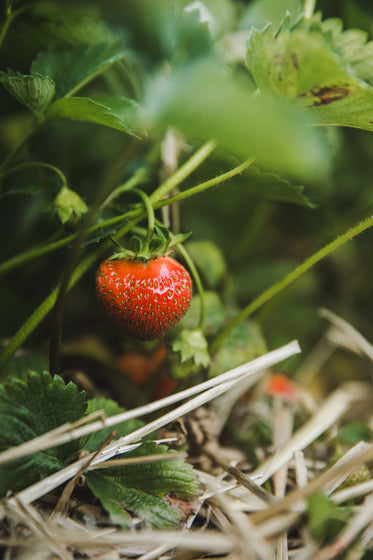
(144, 297)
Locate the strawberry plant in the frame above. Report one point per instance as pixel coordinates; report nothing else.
(178, 184)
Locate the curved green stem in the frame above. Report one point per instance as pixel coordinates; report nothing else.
(8, 20)
(35, 319)
(47, 305)
(9, 17)
(206, 184)
(27, 256)
(18, 260)
(289, 278)
(150, 215)
(128, 185)
(183, 172)
(189, 261)
(135, 216)
(36, 164)
(137, 177)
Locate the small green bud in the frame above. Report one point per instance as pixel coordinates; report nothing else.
(69, 207)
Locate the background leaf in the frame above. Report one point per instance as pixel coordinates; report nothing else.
(35, 92)
(93, 441)
(206, 102)
(210, 261)
(244, 343)
(353, 47)
(139, 487)
(72, 68)
(117, 498)
(355, 110)
(112, 111)
(326, 518)
(298, 62)
(160, 477)
(29, 409)
(271, 186)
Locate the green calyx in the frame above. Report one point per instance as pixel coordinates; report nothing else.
(161, 243)
(158, 241)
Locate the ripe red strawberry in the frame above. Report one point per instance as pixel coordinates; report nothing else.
(145, 297)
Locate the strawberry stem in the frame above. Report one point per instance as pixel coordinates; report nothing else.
(151, 220)
(135, 216)
(26, 256)
(36, 164)
(189, 261)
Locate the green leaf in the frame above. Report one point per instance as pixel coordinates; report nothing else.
(319, 65)
(21, 364)
(352, 46)
(355, 432)
(22, 189)
(112, 111)
(93, 441)
(243, 344)
(210, 261)
(299, 63)
(160, 477)
(354, 110)
(139, 488)
(270, 186)
(51, 25)
(205, 101)
(326, 518)
(35, 92)
(72, 68)
(192, 345)
(214, 314)
(29, 409)
(102, 234)
(117, 500)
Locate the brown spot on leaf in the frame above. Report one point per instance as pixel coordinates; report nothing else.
(326, 95)
(294, 60)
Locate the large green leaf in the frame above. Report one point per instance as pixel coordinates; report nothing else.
(299, 63)
(352, 45)
(243, 344)
(206, 102)
(270, 186)
(35, 92)
(139, 487)
(321, 66)
(355, 110)
(210, 260)
(73, 68)
(93, 441)
(29, 409)
(113, 111)
(117, 500)
(160, 477)
(22, 363)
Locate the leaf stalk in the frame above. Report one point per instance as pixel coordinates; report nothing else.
(289, 279)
